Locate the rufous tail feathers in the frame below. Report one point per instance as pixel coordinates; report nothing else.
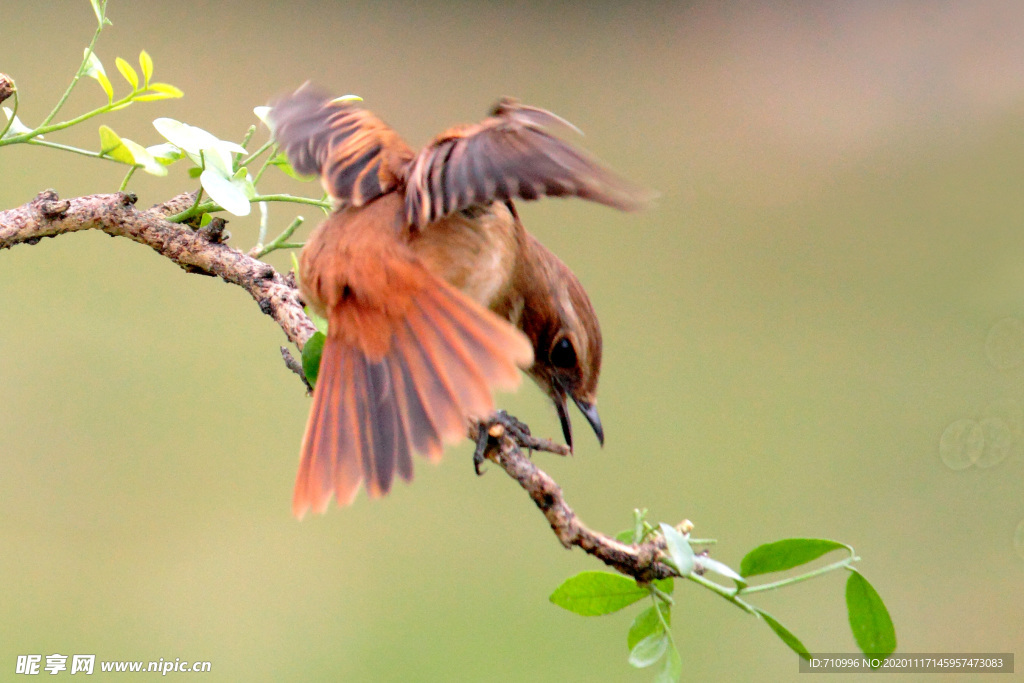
(445, 357)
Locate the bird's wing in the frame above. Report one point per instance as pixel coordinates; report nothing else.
(509, 155)
(357, 156)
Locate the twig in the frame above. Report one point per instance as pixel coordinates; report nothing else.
(505, 449)
(295, 366)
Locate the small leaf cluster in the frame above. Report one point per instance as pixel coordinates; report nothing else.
(649, 639)
(229, 184)
(155, 159)
(142, 90)
(221, 166)
(112, 146)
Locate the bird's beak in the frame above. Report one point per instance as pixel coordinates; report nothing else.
(589, 411)
(563, 417)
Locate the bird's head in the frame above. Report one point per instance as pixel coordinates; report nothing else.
(563, 328)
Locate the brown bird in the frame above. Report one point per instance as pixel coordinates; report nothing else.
(420, 247)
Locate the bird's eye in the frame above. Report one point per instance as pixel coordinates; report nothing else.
(563, 355)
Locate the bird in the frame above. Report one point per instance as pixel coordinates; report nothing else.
(434, 292)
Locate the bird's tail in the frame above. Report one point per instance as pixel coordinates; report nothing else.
(371, 411)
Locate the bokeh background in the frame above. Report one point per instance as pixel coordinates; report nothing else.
(821, 289)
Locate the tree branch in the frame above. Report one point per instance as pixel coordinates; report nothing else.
(203, 251)
(196, 251)
(507, 438)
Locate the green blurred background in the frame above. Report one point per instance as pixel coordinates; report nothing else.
(789, 330)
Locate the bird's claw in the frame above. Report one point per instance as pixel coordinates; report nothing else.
(482, 439)
(495, 427)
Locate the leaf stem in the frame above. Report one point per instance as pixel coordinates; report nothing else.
(209, 207)
(81, 69)
(292, 198)
(14, 112)
(43, 129)
(263, 148)
(69, 148)
(661, 618)
(657, 592)
(197, 209)
(726, 593)
(237, 158)
(127, 177)
(280, 242)
(841, 564)
(261, 236)
(248, 135)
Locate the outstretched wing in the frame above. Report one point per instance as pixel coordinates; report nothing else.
(357, 156)
(508, 155)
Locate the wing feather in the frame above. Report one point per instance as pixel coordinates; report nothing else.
(357, 156)
(509, 155)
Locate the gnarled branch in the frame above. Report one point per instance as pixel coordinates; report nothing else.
(196, 251)
(204, 251)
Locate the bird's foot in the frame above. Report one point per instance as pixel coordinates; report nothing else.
(501, 425)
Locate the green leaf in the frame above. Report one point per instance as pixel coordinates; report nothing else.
(648, 623)
(242, 178)
(318, 322)
(167, 89)
(722, 569)
(281, 161)
(649, 650)
(594, 593)
(311, 353)
(869, 619)
(17, 127)
(146, 64)
(160, 91)
(206, 219)
(625, 537)
(189, 138)
(128, 72)
(128, 152)
(195, 172)
(218, 161)
(92, 65)
(195, 141)
(144, 159)
(639, 516)
(94, 69)
(672, 669)
(111, 146)
(105, 84)
(786, 554)
(229, 193)
(96, 10)
(665, 585)
(679, 549)
(263, 114)
(784, 633)
(166, 153)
